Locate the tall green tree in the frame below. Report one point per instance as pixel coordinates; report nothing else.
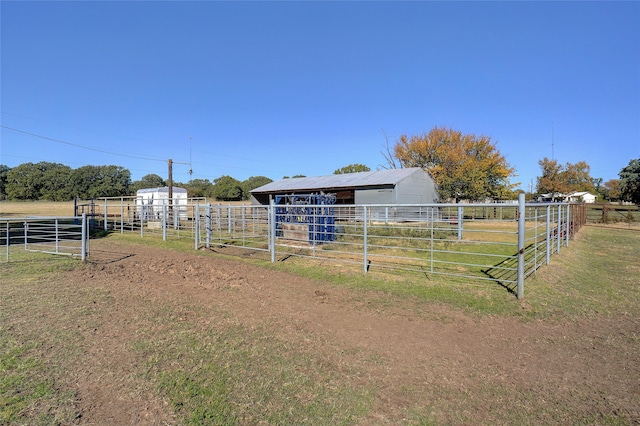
(630, 182)
(151, 180)
(226, 188)
(43, 180)
(352, 168)
(252, 183)
(199, 188)
(463, 166)
(4, 171)
(91, 182)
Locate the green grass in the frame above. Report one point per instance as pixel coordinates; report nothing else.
(600, 263)
(224, 373)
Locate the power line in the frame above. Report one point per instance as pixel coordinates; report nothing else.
(82, 146)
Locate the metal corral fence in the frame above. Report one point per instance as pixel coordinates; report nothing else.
(55, 235)
(500, 242)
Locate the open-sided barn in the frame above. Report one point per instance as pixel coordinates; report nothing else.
(396, 186)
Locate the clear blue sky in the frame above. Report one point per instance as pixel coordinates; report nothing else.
(284, 88)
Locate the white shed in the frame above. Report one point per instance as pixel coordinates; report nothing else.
(150, 202)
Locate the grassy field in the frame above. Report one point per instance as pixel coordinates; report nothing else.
(35, 208)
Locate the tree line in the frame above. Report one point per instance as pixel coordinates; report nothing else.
(463, 166)
(58, 182)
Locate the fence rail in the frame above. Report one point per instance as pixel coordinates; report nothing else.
(55, 235)
(501, 242)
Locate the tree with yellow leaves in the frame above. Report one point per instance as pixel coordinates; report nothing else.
(463, 166)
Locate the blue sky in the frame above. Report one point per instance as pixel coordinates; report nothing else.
(283, 88)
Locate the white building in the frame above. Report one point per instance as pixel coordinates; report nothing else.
(150, 202)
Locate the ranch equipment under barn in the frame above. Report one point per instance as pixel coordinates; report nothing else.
(306, 217)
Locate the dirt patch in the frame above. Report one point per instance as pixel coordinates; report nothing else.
(443, 364)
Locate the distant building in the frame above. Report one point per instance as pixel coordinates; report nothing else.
(150, 202)
(581, 197)
(396, 186)
(573, 197)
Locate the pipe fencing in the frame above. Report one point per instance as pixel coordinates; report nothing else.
(66, 236)
(499, 242)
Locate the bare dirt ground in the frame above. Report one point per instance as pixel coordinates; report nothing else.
(423, 355)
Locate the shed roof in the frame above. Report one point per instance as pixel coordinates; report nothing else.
(162, 189)
(346, 180)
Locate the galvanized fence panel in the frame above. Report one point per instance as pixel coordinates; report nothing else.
(501, 242)
(54, 235)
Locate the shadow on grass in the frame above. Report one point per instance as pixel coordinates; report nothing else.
(505, 272)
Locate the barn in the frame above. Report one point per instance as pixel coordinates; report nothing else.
(150, 202)
(395, 186)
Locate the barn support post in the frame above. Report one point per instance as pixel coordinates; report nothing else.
(164, 222)
(84, 237)
(548, 242)
(365, 219)
(521, 223)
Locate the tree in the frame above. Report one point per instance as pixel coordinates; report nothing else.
(4, 171)
(352, 168)
(550, 181)
(151, 180)
(630, 182)
(611, 190)
(564, 179)
(252, 183)
(44, 180)
(90, 182)
(463, 166)
(227, 188)
(199, 188)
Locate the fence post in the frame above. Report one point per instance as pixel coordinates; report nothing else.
(272, 231)
(521, 222)
(7, 240)
(209, 225)
(84, 237)
(460, 217)
(569, 219)
(106, 224)
(197, 227)
(164, 222)
(548, 232)
(559, 228)
(365, 219)
(26, 235)
(122, 215)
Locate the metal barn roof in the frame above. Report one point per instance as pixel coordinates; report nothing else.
(347, 180)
